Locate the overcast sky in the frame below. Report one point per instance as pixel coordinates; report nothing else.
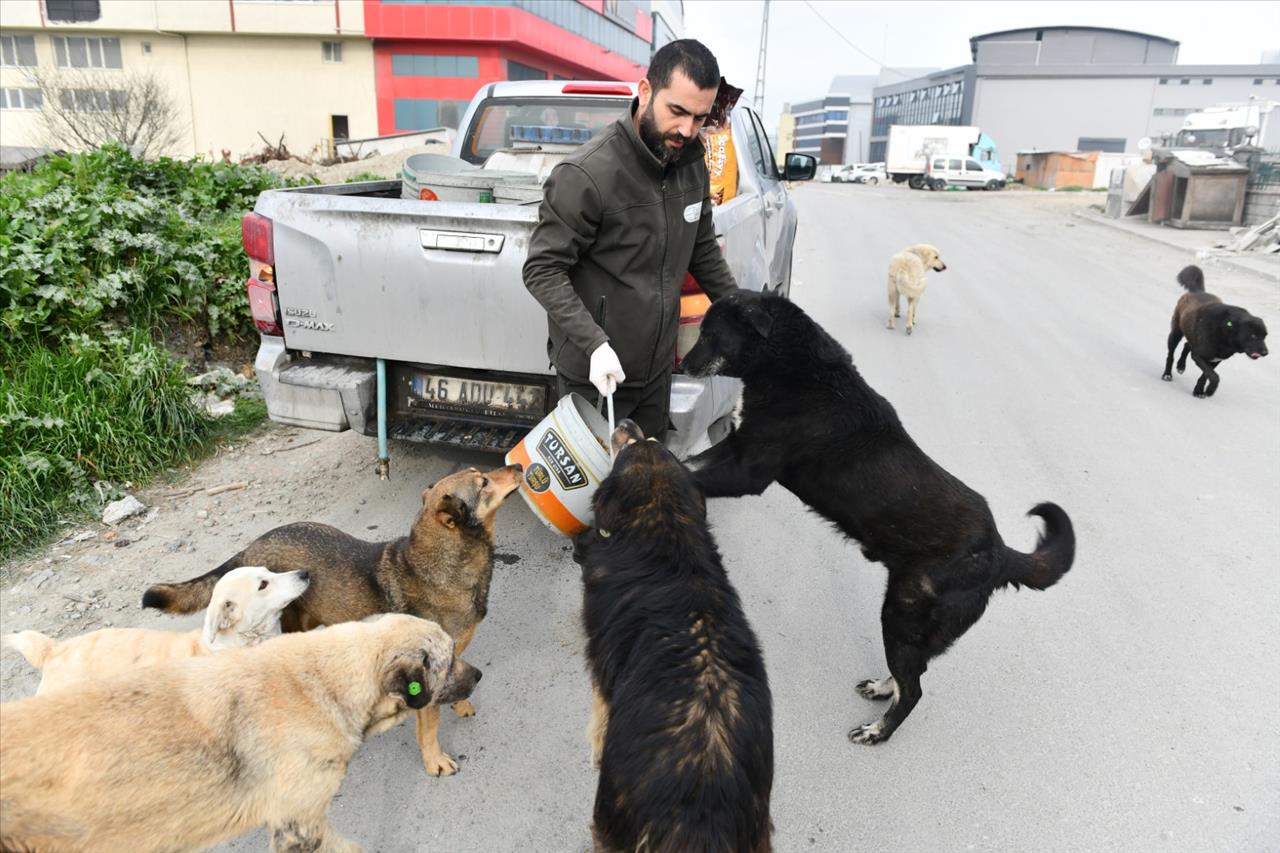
(804, 53)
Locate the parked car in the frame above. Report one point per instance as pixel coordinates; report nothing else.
(842, 174)
(869, 173)
(409, 318)
(962, 172)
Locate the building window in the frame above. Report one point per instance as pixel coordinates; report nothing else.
(340, 126)
(146, 48)
(1208, 81)
(1164, 81)
(21, 99)
(82, 52)
(426, 113)
(94, 100)
(1185, 81)
(520, 71)
(331, 51)
(1094, 143)
(1257, 81)
(17, 51)
(425, 65)
(72, 11)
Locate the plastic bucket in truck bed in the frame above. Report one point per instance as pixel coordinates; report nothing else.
(509, 193)
(565, 459)
(435, 177)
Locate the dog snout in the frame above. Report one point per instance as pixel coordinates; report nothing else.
(940, 267)
(462, 680)
(304, 576)
(624, 433)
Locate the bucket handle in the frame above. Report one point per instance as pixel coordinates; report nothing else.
(601, 402)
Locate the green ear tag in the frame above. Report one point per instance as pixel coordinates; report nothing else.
(1228, 324)
(414, 688)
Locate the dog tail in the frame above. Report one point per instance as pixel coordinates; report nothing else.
(1192, 279)
(33, 646)
(1053, 555)
(189, 595)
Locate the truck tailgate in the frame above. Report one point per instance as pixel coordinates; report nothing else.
(406, 280)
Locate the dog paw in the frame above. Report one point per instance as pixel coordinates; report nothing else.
(909, 328)
(889, 326)
(1181, 369)
(596, 756)
(440, 764)
(868, 734)
(464, 708)
(1200, 394)
(876, 688)
(1167, 377)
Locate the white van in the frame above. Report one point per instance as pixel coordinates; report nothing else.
(962, 172)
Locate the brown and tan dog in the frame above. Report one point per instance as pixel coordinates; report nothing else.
(188, 753)
(440, 571)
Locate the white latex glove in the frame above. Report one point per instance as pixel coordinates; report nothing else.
(606, 370)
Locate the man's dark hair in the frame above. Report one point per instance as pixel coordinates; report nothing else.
(691, 57)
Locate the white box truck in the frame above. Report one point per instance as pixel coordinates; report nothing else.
(912, 147)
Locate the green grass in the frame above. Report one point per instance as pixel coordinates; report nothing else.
(98, 253)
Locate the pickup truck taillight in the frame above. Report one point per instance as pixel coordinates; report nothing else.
(264, 305)
(693, 307)
(255, 233)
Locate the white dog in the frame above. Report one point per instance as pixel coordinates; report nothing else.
(906, 278)
(244, 611)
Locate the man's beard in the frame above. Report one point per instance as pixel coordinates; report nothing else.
(656, 142)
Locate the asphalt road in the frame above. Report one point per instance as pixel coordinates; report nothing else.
(1131, 708)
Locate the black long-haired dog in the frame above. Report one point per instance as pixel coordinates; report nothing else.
(811, 423)
(682, 721)
(1214, 332)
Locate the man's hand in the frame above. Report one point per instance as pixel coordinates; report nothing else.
(606, 370)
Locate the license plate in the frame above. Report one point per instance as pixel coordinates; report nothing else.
(477, 397)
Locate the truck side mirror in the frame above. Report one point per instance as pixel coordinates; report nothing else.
(799, 167)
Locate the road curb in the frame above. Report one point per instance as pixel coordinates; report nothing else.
(1245, 265)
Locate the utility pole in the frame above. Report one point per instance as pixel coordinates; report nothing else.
(760, 64)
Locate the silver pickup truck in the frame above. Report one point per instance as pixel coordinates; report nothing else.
(409, 319)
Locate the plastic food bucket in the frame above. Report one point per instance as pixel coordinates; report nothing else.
(435, 177)
(565, 458)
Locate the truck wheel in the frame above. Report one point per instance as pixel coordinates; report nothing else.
(938, 184)
(915, 182)
(992, 185)
(873, 181)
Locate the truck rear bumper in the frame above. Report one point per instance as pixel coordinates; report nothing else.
(336, 393)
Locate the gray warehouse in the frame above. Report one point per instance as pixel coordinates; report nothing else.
(1067, 89)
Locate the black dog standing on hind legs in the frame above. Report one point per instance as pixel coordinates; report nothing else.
(1214, 332)
(810, 422)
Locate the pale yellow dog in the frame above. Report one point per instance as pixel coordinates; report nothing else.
(244, 611)
(907, 278)
(187, 753)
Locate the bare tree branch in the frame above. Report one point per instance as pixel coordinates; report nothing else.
(86, 108)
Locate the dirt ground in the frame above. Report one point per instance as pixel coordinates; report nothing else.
(94, 575)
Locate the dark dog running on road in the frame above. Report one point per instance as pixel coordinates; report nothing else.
(811, 423)
(1214, 332)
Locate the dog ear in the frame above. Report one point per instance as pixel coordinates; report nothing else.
(759, 318)
(221, 617)
(409, 682)
(453, 512)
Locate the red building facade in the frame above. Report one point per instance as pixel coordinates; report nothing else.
(431, 56)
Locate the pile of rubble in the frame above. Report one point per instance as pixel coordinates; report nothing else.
(1264, 238)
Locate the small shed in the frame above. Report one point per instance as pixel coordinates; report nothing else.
(1197, 189)
(1057, 169)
